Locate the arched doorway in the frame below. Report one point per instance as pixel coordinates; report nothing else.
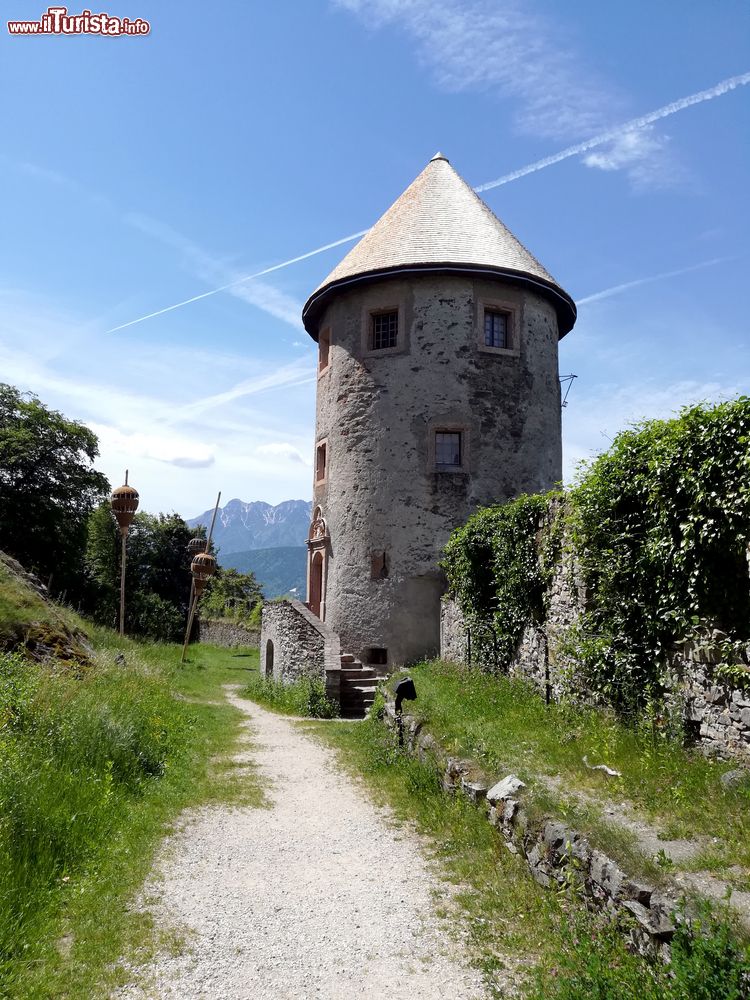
(316, 582)
(269, 659)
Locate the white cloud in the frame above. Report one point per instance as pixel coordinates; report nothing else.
(591, 421)
(282, 449)
(626, 286)
(213, 270)
(173, 449)
(611, 135)
(504, 46)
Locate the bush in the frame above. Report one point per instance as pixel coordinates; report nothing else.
(659, 525)
(306, 696)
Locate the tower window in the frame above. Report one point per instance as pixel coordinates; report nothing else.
(448, 449)
(384, 331)
(324, 348)
(379, 565)
(496, 328)
(320, 462)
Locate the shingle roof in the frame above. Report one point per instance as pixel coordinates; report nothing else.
(439, 224)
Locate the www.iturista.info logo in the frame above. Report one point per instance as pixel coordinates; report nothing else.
(57, 21)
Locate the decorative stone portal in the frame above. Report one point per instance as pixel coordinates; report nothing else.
(318, 544)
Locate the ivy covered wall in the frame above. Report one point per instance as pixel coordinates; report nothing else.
(594, 589)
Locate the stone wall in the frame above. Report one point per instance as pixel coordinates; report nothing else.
(715, 709)
(294, 643)
(222, 632)
(558, 856)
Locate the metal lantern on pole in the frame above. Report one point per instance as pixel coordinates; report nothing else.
(124, 504)
(202, 568)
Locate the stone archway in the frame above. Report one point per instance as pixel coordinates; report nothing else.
(317, 565)
(268, 666)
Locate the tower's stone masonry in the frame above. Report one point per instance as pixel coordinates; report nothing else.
(378, 414)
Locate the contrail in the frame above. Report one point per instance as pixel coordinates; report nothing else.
(598, 140)
(238, 281)
(616, 289)
(582, 147)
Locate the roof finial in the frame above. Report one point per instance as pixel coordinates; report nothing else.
(439, 156)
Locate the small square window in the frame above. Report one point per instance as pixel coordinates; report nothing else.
(320, 462)
(448, 449)
(324, 349)
(384, 330)
(376, 656)
(496, 328)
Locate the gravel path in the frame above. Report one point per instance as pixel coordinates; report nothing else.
(320, 896)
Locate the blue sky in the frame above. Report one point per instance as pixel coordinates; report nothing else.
(141, 172)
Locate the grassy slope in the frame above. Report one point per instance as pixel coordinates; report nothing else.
(541, 942)
(506, 727)
(92, 773)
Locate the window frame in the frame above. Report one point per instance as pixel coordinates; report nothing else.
(512, 327)
(324, 338)
(442, 427)
(379, 308)
(321, 445)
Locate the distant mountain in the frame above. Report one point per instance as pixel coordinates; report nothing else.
(243, 526)
(279, 571)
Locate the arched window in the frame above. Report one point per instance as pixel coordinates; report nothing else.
(269, 659)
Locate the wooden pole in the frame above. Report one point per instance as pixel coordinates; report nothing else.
(194, 599)
(122, 582)
(124, 533)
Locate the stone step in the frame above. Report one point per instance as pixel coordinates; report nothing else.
(355, 670)
(347, 658)
(363, 684)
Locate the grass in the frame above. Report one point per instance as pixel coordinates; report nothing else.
(304, 697)
(505, 726)
(94, 771)
(516, 931)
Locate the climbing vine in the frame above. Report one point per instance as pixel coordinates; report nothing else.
(659, 526)
(495, 572)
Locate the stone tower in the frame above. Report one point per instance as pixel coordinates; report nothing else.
(437, 392)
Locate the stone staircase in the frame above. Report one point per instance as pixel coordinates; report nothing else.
(358, 686)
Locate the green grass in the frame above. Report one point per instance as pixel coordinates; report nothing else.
(305, 697)
(505, 726)
(515, 930)
(93, 771)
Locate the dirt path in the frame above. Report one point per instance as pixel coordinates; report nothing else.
(319, 896)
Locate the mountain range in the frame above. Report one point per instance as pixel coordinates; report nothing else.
(264, 539)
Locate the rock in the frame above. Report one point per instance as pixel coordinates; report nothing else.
(605, 873)
(120, 659)
(504, 789)
(654, 921)
(731, 779)
(474, 790)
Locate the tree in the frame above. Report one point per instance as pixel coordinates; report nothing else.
(48, 487)
(231, 594)
(157, 584)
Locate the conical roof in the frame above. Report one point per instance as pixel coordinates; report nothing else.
(439, 225)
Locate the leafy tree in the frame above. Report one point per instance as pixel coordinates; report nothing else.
(231, 594)
(157, 582)
(48, 487)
